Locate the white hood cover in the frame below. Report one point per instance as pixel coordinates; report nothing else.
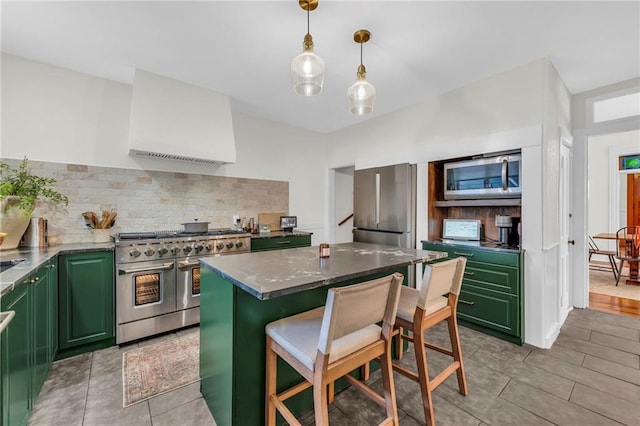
(178, 121)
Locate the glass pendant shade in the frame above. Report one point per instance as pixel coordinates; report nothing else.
(361, 97)
(307, 73)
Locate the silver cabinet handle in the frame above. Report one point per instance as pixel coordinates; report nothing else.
(164, 267)
(464, 302)
(469, 273)
(284, 242)
(463, 254)
(186, 264)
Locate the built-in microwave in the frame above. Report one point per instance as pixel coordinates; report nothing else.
(489, 177)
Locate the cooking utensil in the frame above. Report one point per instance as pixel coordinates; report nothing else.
(91, 218)
(195, 226)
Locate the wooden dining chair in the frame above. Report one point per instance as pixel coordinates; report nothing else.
(329, 342)
(595, 250)
(436, 301)
(627, 247)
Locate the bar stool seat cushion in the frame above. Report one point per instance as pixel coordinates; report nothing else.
(299, 335)
(409, 300)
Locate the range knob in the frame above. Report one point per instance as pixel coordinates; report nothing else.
(220, 246)
(208, 247)
(175, 250)
(149, 252)
(199, 248)
(187, 249)
(239, 244)
(135, 253)
(229, 245)
(162, 251)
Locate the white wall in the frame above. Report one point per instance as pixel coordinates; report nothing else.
(57, 115)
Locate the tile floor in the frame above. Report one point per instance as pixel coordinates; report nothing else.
(591, 376)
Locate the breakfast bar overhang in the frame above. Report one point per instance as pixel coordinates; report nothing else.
(241, 294)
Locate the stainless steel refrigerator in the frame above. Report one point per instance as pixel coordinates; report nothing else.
(384, 205)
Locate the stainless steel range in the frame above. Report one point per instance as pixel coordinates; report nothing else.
(158, 278)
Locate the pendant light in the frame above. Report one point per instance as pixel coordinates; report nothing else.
(361, 95)
(307, 69)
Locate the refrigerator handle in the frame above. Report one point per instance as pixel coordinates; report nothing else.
(377, 198)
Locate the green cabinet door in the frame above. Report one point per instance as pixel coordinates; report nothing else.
(86, 300)
(492, 289)
(17, 356)
(41, 317)
(279, 243)
(53, 308)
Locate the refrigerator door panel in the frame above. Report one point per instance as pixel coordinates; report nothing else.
(395, 198)
(364, 199)
(403, 239)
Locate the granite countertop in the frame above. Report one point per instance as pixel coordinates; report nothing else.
(36, 257)
(486, 245)
(281, 272)
(281, 234)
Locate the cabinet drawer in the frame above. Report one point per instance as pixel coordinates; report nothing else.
(492, 277)
(477, 255)
(490, 309)
(277, 243)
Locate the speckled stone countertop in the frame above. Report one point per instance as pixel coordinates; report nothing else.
(486, 245)
(275, 273)
(281, 234)
(36, 257)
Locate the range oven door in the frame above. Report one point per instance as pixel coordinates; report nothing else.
(188, 283)
(145, 290)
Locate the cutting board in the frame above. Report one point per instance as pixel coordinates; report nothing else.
(272, 219)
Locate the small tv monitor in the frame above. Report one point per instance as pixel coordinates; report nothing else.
(461, 229)
(287, 223)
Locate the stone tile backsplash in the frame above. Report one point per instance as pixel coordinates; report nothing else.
(150, 200)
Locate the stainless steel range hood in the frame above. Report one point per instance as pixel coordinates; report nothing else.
(173, 120)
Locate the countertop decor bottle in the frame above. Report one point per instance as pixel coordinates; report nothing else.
(324, 250)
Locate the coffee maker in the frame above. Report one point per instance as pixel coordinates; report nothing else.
(504, 224)
(508, 230)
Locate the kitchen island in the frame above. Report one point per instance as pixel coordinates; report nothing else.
(241, 294)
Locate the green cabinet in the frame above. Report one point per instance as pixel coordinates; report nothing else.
(491, 298)
(17, 356)
(86, 302)
(280, 242)
(26, 348)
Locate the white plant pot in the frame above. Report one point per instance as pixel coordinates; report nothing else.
(13, 222)
(101, 236)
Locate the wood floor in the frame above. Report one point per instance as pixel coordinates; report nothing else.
(619, 305)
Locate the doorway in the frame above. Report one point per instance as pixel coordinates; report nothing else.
(609, 208)
(341, 206)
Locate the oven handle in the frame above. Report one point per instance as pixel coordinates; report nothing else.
(186, 264)
(164, 267)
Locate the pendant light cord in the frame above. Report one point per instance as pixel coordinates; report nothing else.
(360, 53)
(308, 6)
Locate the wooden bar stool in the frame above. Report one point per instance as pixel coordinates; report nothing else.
(420, 310)
(327, 343)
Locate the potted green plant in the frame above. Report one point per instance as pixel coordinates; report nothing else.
(19, 191)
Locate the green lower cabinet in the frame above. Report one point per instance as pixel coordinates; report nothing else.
(41, 327)
(491, 298)
(27, 349)
(86, 302)
(53, 307)
(17, 357)
(280, 243)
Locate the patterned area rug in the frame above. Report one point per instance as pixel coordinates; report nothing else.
(602, 282)
(159, 368)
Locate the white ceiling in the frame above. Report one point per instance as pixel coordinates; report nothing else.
(243, 49)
